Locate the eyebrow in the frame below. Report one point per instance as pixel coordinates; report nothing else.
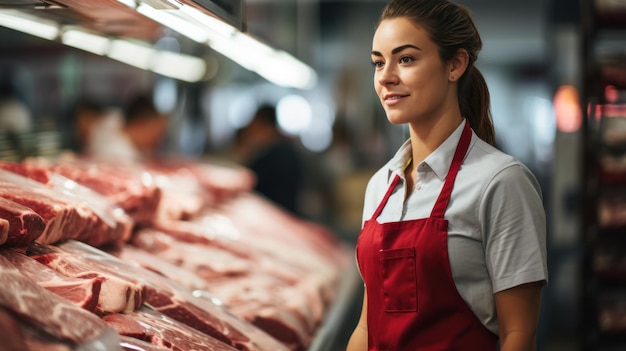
(397, 50)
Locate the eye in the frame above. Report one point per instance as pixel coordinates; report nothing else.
(377, 64)
(406, 59)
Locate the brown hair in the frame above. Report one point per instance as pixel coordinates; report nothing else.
(451, 27)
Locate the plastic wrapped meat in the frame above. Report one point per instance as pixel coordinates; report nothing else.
(180, 304)
(82, 292)
(268, 300)
(65, 216)
(158, 329)
(118, 293)
(133, 189)
(19, 224)
(47, 313)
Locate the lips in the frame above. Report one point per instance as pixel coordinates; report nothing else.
(393, 98)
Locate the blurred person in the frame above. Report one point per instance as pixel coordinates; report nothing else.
(99, 132)
(452, 248)
(86, 115)
(15, 122)
(15, 117)
(132, 134)
(145, 126)
(261, 147)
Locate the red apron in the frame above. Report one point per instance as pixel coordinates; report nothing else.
(412, 300)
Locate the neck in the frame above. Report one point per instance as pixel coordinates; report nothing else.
(427, 137)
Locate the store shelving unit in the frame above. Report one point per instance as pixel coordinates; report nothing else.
(603, 196)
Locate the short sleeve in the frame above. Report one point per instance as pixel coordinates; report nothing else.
(513, 225)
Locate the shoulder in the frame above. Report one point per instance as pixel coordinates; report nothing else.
(492, 166)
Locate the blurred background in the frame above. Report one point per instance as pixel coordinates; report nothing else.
(554, 67)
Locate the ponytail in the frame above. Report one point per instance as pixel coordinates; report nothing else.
(474, 104)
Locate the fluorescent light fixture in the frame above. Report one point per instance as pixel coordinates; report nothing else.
(132, 53)
(214, 24)
(172, 20)
(163, 4)
(130, 3)
(284, 70)
(276, 66)
(183, 67)
(28, 24)
(80, 39)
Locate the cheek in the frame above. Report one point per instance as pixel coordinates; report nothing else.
(377, 87)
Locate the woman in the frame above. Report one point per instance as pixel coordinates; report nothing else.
(452, 249)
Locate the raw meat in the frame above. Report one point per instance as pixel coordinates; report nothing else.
(158, 329)
(65, 217)
(156, 264)
(82, 292)
(220, 181)
(11, 333)
(205, 261)
(44, 310)
(133, 344)
(20, 224)
(265, 299)
(216, 233)
(118, 293)
(108, 223)
(133, 188)
(4, 230)
(180, 304)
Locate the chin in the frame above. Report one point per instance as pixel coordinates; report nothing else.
(396, 119)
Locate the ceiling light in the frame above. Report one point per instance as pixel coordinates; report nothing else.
(130, 3)
(182, 67)
(80, 39)
(131, 53)
(27, 24)
(276, 66)
(172, 20)
(212, 23)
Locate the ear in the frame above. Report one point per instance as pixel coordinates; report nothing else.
(458, 65)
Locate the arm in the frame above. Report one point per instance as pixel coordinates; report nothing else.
(358, 340)
(518, 316)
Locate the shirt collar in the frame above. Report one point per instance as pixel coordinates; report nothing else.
(439, 160)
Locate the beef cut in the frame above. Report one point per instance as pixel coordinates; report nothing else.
(83, 292)
(41, 309)
(253, 292)
(11, 333)
(118, 293)
(133, 344)
(158, 329)
(65, 217)
(4, 230)
(19, 224)
(181, 304)
(130, 186)
(154, 263)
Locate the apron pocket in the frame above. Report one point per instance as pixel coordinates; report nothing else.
(399, 279)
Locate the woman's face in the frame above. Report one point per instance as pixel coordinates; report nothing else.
(411, 80)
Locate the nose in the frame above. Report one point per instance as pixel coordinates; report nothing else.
(387, 75)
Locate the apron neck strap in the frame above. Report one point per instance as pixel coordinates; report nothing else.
(461, 149)
(382, 204)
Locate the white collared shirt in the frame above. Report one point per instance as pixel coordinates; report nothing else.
(497, 226)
